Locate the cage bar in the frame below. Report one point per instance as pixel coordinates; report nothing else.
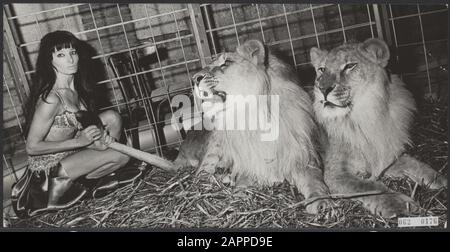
(314, 25)
(103, 54)
(425, 52)
(260, 23)
(370, 20)
(290, 36)
(234, 24)
(146, 102)
(342, 22)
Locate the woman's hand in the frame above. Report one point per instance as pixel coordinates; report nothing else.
(103, 142)
(107, 139)
(89, 135)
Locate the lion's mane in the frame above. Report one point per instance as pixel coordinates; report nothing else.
(272, 161)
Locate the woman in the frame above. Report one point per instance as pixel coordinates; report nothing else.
(59, 150)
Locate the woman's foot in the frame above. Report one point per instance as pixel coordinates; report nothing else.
(118, 178)
(63, 192)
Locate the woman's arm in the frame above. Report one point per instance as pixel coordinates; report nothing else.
(43, 118)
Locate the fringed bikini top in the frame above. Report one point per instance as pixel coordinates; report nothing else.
(65, 125)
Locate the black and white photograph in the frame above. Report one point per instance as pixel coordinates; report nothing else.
(225, 116)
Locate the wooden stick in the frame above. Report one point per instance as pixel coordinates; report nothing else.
(143, 156)
(87, 118)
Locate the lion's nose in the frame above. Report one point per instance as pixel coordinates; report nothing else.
(326, 89)
(198, 77)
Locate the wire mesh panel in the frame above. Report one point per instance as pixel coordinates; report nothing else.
(289, 29)
(156, 39)
(13, 120)
(420, 34)
(14, 156)
(149, 49)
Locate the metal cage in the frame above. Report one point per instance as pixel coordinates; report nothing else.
(149, 52)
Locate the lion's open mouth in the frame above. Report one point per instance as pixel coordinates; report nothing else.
(333, 105)
(205, 90)
(211, 95)
(221, 94)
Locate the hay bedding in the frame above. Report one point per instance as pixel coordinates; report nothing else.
(182, 200)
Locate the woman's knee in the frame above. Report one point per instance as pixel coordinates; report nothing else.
(111, 118)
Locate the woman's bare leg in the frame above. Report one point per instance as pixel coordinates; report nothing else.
(96, 163)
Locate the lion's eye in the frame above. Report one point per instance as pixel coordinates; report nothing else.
(226, 63)
(350, 66)
(321, 69)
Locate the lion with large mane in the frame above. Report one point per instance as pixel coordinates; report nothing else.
(252, 71)
(366, 114)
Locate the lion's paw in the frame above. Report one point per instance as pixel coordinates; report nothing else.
(226, 179)
(208, 169)
(177, 167)
(182, 163)
(320, 206)
(439, 182)
(392, 205)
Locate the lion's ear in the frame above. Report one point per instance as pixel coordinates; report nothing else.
(253, 50)
(316, 56)
(376, 50)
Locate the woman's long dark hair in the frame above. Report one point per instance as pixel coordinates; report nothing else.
(45, 75)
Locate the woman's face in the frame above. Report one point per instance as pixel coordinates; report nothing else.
(65, 61)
